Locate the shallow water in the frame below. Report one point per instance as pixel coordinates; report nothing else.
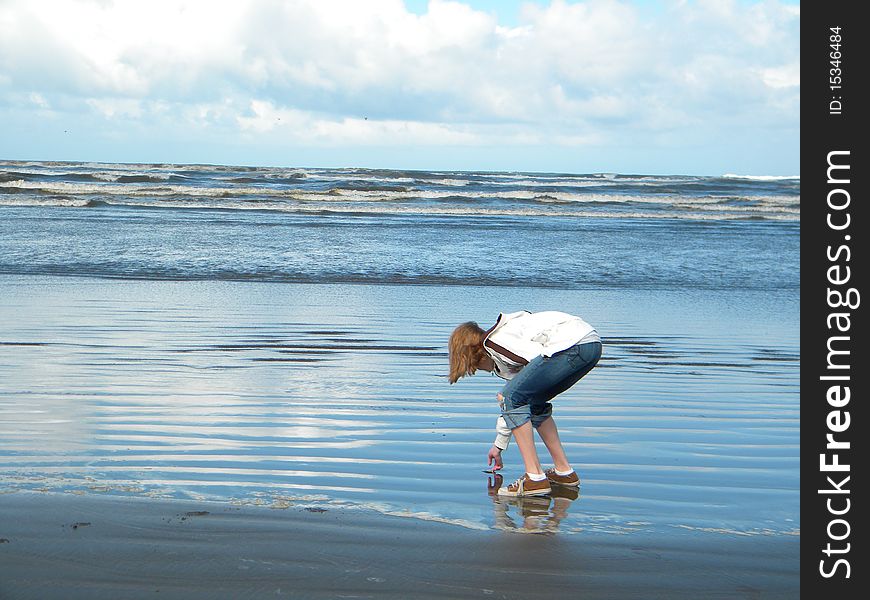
(281, 393)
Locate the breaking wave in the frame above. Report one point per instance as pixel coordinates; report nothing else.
(385, 191)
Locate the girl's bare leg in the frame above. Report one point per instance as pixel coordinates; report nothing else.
(524, 435)
(548, 432)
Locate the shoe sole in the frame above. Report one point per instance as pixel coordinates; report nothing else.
(565, 484)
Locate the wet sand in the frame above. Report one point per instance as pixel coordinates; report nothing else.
(69, 546)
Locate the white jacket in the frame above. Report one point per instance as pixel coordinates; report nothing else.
(529, 335)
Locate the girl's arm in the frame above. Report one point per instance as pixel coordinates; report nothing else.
(502, 441)
(503, 434)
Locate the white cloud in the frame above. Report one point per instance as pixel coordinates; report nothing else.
(39, 100)
(786, 76)
(116, 107)
(266, 119)
(348, 72)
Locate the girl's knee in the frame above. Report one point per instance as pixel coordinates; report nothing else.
(515, 417)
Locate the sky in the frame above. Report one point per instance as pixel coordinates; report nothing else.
(673, 87)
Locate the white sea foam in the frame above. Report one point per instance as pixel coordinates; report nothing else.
(357, 178)
(344, 191)
(547, 197)
(44, 201)
(29, 170)
(112, 176)
(587, 181)
(386, 509)
(361, 195)
(393, 209)
(295, 201)
(450, 182)
(124, 189)
(550, 183)
(762, 177)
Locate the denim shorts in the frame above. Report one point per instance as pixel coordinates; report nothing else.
(527, 396)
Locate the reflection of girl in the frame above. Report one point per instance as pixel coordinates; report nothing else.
(541, 355)
(537, 512)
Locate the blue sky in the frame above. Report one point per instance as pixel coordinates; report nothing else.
(682, 86)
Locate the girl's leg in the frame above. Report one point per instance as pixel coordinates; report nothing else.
(524, 435)
(526, 400)
(527, 395)
(583, 360)
(548, 432)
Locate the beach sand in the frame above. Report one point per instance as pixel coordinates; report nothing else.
(91, 547)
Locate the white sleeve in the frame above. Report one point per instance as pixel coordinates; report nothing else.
(503, 434)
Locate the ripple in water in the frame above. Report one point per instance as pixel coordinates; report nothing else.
(281, 394)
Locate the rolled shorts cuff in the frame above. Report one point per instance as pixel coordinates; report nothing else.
(515, 417)
(543, 415)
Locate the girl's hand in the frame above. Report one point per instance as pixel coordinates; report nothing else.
(494, 458)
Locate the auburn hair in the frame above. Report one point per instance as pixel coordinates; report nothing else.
(466, 350)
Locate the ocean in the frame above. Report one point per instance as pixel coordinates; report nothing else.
(378, 226)
(278, 336)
